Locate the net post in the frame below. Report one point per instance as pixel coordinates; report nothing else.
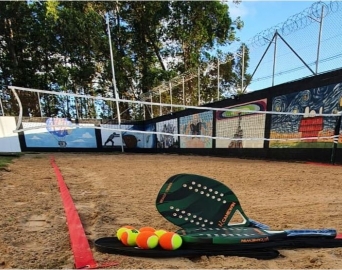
(336, 135)
(114, 81)
(20, 117)
(2, 108)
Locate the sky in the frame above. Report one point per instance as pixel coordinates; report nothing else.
(261, 15)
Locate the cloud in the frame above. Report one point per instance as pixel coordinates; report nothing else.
(35, 138)
(236, 10)
(79, 140)
(87, 135)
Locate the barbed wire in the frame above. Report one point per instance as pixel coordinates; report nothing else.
(296, 22)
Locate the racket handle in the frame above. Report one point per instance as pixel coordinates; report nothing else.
(310, 232)
(256, 224)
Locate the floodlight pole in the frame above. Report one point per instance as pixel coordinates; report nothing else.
(243, 67)
(113, 79)
(183, 87)
(160, 101)
(151, 105)
(274, 56)
(319, 39)
(170, 85)
(218, 78)
(199, 86)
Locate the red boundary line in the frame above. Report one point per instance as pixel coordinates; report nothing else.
(83, 257)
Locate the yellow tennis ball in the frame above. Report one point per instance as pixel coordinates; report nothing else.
(159, 233)
(170, 241)
(147, 240)
(121, 230)
(129, 237)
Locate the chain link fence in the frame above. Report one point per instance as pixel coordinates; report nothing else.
(313, 37)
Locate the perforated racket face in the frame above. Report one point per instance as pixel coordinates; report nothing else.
(189, 201)
(229, 235)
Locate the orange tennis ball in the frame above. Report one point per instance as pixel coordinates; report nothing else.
(170, 241)
(147, 240)
(148, 229)
(159, 233)
(129, 237)
(123, 229)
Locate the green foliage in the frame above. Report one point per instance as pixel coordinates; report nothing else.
(64, 46)
(51, 9)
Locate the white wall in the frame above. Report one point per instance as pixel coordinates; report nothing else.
(9, 140)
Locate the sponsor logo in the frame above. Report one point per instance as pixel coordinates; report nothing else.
(166, 191)
(255, 240)
(226, 215)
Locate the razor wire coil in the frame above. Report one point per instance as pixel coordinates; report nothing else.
(296, 22)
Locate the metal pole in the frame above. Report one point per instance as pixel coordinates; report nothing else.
(40, 106)
(183, 90)
(199, 86)
(170, 85)
(319, 39)
(243, 67)
(262, 57)
(151, 106)
(144, 113)
(2, 108)
(218, 78)
(274, 56)
(113, 79)
(336, 134)
(160, 106)
(76, 108)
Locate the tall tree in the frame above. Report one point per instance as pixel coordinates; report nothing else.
(64, 46)
(195, 28)
(17, 63)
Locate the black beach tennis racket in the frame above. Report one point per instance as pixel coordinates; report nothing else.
(112, 245)
(189, 201)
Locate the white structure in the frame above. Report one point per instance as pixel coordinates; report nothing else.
(9, 140)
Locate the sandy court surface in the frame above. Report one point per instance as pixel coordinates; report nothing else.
(120, 189)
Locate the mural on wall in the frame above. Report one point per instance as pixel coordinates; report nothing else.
(167, 141)
(308, 130)
(63, 136)
(196, 124)
(130, 139)
(242, 125)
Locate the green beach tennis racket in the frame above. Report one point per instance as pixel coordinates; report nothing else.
(197, 203)
(189, 200)
(230, 235)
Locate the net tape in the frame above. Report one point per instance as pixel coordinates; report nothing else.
(202, 108)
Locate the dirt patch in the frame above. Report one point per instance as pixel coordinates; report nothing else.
(110, 191)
